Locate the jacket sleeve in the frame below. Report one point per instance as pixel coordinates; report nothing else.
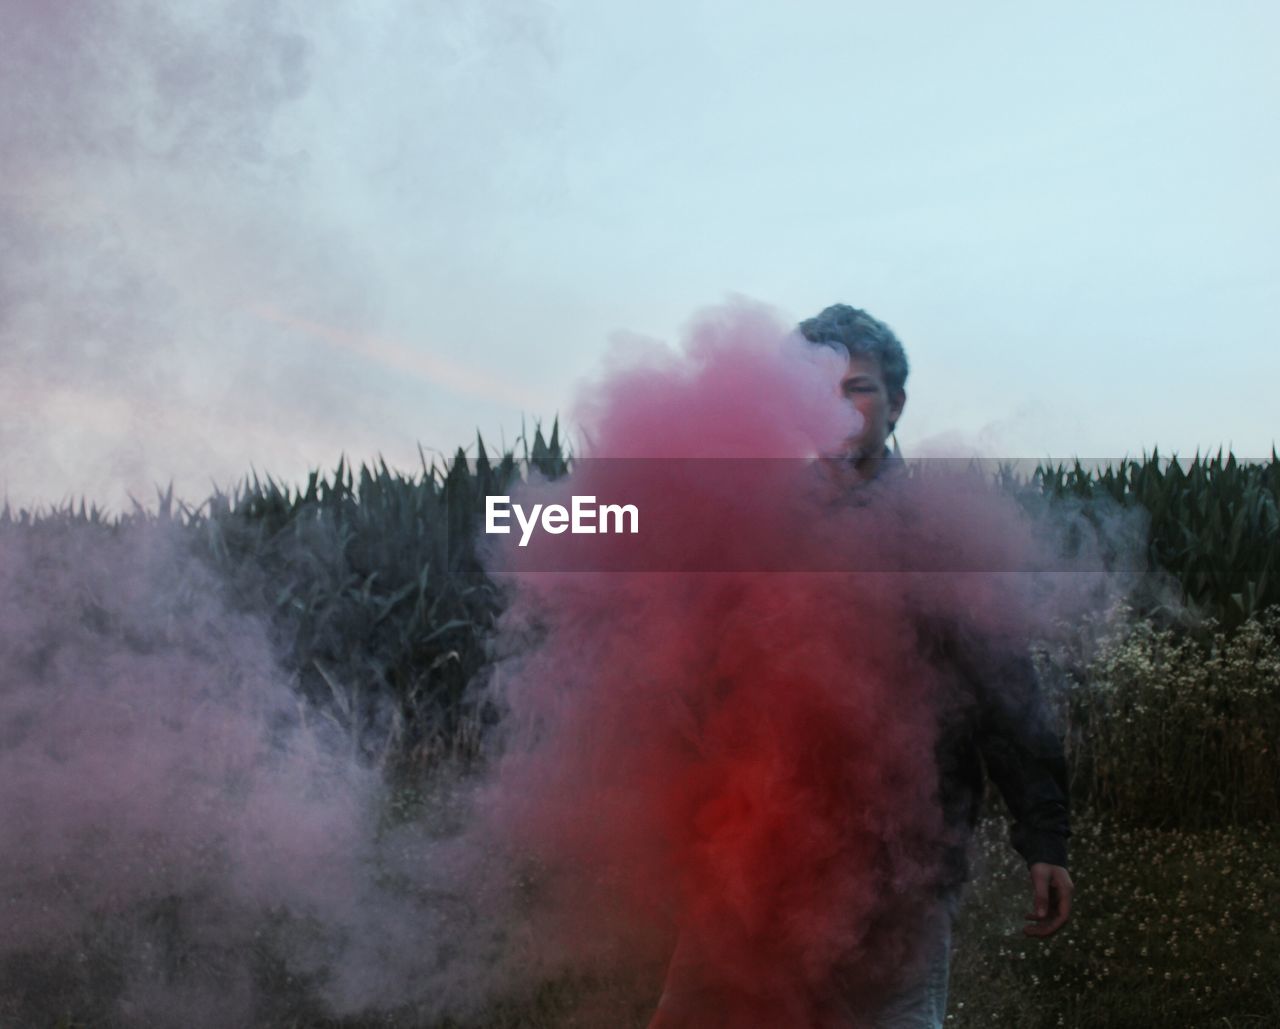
(1022, 753)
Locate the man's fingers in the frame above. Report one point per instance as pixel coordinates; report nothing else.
(1047, 928)
(1054, 884)
(1048, 925)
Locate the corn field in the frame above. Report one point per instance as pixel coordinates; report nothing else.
(1214, 524)
(381, 610)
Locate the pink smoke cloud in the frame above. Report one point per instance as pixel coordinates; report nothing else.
(732, 746)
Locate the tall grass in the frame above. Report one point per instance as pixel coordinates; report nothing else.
(1214, 524)
(370, 580)
(382, 613)
(379, 600)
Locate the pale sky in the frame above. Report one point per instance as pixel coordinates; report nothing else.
(259, 234)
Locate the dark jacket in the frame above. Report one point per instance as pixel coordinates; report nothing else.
(992, 716)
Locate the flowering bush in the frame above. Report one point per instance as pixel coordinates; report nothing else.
(1167, 728)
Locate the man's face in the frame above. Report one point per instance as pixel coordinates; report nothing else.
(863, 385)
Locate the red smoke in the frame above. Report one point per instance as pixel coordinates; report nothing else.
(739, 760)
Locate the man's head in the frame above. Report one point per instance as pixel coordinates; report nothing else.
(876, 377)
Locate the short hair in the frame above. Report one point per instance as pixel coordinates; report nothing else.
(859, 335)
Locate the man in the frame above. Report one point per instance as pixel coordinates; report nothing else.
(1003, 728)
(1007, 732)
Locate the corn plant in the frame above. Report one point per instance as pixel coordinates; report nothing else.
(379, 599)
(371, 582)
(1214, 524)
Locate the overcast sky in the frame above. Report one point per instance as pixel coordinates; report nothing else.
(261, 234)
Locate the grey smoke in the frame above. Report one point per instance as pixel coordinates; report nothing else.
(184, 845)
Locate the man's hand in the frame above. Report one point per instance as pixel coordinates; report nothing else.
(1051, 889)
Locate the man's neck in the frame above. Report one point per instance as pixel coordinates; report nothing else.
(851, 473)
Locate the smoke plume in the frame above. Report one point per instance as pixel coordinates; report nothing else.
(183, 842)
(720, 745)
(715, 739)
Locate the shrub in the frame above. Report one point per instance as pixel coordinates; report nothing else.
(1164, 728)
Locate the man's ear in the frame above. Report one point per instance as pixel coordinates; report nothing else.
(897, 401)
